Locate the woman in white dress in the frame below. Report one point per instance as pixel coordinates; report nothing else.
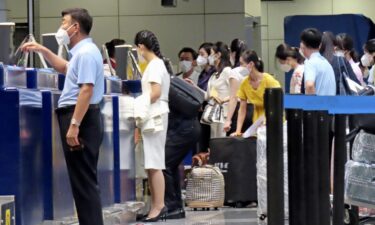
(155, 83)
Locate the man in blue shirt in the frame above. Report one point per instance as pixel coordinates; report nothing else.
(78, 110)
(318, 74)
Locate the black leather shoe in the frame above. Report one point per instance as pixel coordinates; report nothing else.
(140, 217)
(176, 214)
(162, 216)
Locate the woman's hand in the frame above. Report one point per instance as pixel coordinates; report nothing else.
(189, 81)
(227, 125)
(218, 100)
(236, 134)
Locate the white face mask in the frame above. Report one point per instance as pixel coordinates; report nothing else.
(367, 60)
(185, 66)
(211, 60)
(62, 36)
(202, 61)
(285, 67)
(241, 70)
(366, 73)
(301, 53)
(232, 61)
(248, 69)
(340, 53)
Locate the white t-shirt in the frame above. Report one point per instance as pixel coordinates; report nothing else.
(220, 84)
(239, 73)
(157, 72)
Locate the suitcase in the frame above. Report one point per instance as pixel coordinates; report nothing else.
(205, 188)
(236, 157)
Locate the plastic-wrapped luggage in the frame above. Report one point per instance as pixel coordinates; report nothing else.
(262, 172)
(359, 184)
(364, 148)
(205, 187)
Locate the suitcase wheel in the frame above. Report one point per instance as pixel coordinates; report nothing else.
(216, 208)
(195, 209)
(239, 205)
(208, 209)
(262, 217)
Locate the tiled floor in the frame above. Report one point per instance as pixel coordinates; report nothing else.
(225, 216)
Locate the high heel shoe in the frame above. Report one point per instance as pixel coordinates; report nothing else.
(162, 216)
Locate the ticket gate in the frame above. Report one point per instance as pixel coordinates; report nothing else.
(21, 145)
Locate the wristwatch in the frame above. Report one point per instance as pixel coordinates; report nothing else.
(75, 122)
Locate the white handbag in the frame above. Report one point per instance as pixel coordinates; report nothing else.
(213, 113)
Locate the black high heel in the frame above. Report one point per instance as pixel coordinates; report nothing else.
(162, 216)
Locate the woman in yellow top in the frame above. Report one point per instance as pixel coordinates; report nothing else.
(252, 88)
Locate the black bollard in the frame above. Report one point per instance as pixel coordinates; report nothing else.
(324, 164)
(339, 170)
(296, 168)
(273, 104)
(310, 147)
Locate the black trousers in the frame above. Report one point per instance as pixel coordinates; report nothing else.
(82, 164)
(204, 139)
(182, 136)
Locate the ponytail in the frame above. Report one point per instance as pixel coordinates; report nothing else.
(149, 40)
(251, 56)
(345, 42)
(300, 59)
(283, 51)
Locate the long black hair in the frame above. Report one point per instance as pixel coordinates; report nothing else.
(225, 55)
(149, 40)
(327, 48)
(345, 42)
(251, 56)
(238, 47)
(207, 46)
(111, 46)
(283, 51)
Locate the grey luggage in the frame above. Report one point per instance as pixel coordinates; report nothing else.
(364, 148)
(359, 184)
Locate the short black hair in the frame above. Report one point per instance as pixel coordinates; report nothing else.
(111, 46)
(370, 46)
(207, 46)
(190, 50)
(81, 16)
(311, 38)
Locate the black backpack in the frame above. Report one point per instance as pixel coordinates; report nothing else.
(184, 98)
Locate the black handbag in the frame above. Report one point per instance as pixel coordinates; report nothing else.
(364, 122)
(184, 98)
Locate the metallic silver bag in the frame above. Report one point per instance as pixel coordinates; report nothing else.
(360, 184)
(205, 187)
(364, 148)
